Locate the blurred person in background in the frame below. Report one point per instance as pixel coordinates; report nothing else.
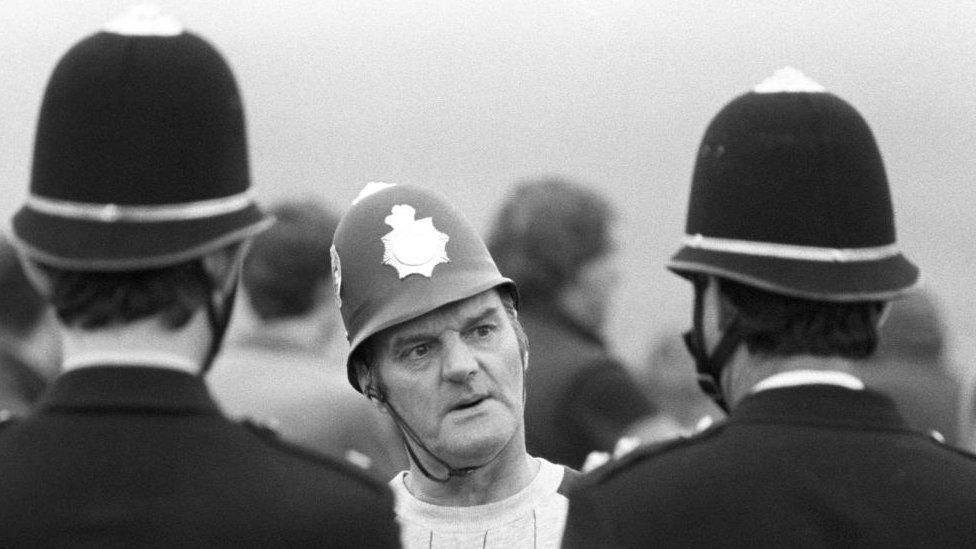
(911, 366)
(283, 364)
(554, 238)
(29, 344)
(137, 220)
(669, 380)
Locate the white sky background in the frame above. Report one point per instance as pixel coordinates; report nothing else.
(467, 97)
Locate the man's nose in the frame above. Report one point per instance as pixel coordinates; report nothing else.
(460, 361)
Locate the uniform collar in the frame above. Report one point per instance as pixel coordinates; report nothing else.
(819, 405)
(156, 359)
(795, 378)
(129, 388)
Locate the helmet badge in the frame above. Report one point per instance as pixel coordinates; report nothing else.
(336, 275)
(414, 246)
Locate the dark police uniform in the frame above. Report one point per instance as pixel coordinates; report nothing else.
(143, 457)
(140, 163)
(808, 466)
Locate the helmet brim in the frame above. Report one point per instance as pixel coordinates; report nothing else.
(86, 245)
(877, 280)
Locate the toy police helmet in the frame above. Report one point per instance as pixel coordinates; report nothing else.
(140, 158)
(789, 195)
(401, 252)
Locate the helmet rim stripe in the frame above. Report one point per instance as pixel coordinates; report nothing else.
(786, 288)
(114, 213)
(791, 251)
(90, 264)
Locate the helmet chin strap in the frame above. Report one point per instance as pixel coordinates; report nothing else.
(379, 394)
(220, 307)
(219, 311)
(709, 366)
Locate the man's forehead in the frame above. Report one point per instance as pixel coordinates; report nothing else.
(455, 312)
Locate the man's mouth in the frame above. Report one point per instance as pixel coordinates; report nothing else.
(469, 403)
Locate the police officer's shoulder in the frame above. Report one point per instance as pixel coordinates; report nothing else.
(270, 436)
(938, 439)
(7, 418)
(647, 452)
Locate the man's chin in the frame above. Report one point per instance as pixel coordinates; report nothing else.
(476, 452)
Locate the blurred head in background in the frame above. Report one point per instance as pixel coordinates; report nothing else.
(554, 237)
(287, 274)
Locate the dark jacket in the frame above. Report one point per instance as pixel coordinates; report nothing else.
(142, 457)
(810, 466)
(578, 398)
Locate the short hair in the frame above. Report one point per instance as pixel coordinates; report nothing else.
(288, 263)
(21, 307)
(778, 325)
(546, 231)
(363, 358)
(94, 300)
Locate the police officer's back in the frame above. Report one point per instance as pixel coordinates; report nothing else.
(791, 248)
(138, 217)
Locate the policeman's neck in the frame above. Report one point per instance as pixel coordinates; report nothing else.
(746, 370)
(145, 342)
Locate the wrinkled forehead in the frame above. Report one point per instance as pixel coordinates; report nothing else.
(450, 316)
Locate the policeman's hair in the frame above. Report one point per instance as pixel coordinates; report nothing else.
(777, 325)
(364, 357)
(94, 300)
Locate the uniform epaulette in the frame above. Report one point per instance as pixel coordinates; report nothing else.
(938, 439)
(7, 418)
(648, 451)
(271, 437)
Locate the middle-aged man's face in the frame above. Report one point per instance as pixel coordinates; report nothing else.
(456, 377)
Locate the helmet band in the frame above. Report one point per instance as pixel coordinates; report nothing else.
(789, 251)
(114, 213)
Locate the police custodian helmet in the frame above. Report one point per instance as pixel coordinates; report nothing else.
(140, 158)
(401, 252)
(789, 195)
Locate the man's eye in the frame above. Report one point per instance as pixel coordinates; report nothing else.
(484, 330)
(418, 351)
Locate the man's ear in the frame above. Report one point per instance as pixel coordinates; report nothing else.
(883, 314)
(369, 386)
(725, 310)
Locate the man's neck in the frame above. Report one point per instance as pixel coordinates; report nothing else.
(142, 343)
(501, 478)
